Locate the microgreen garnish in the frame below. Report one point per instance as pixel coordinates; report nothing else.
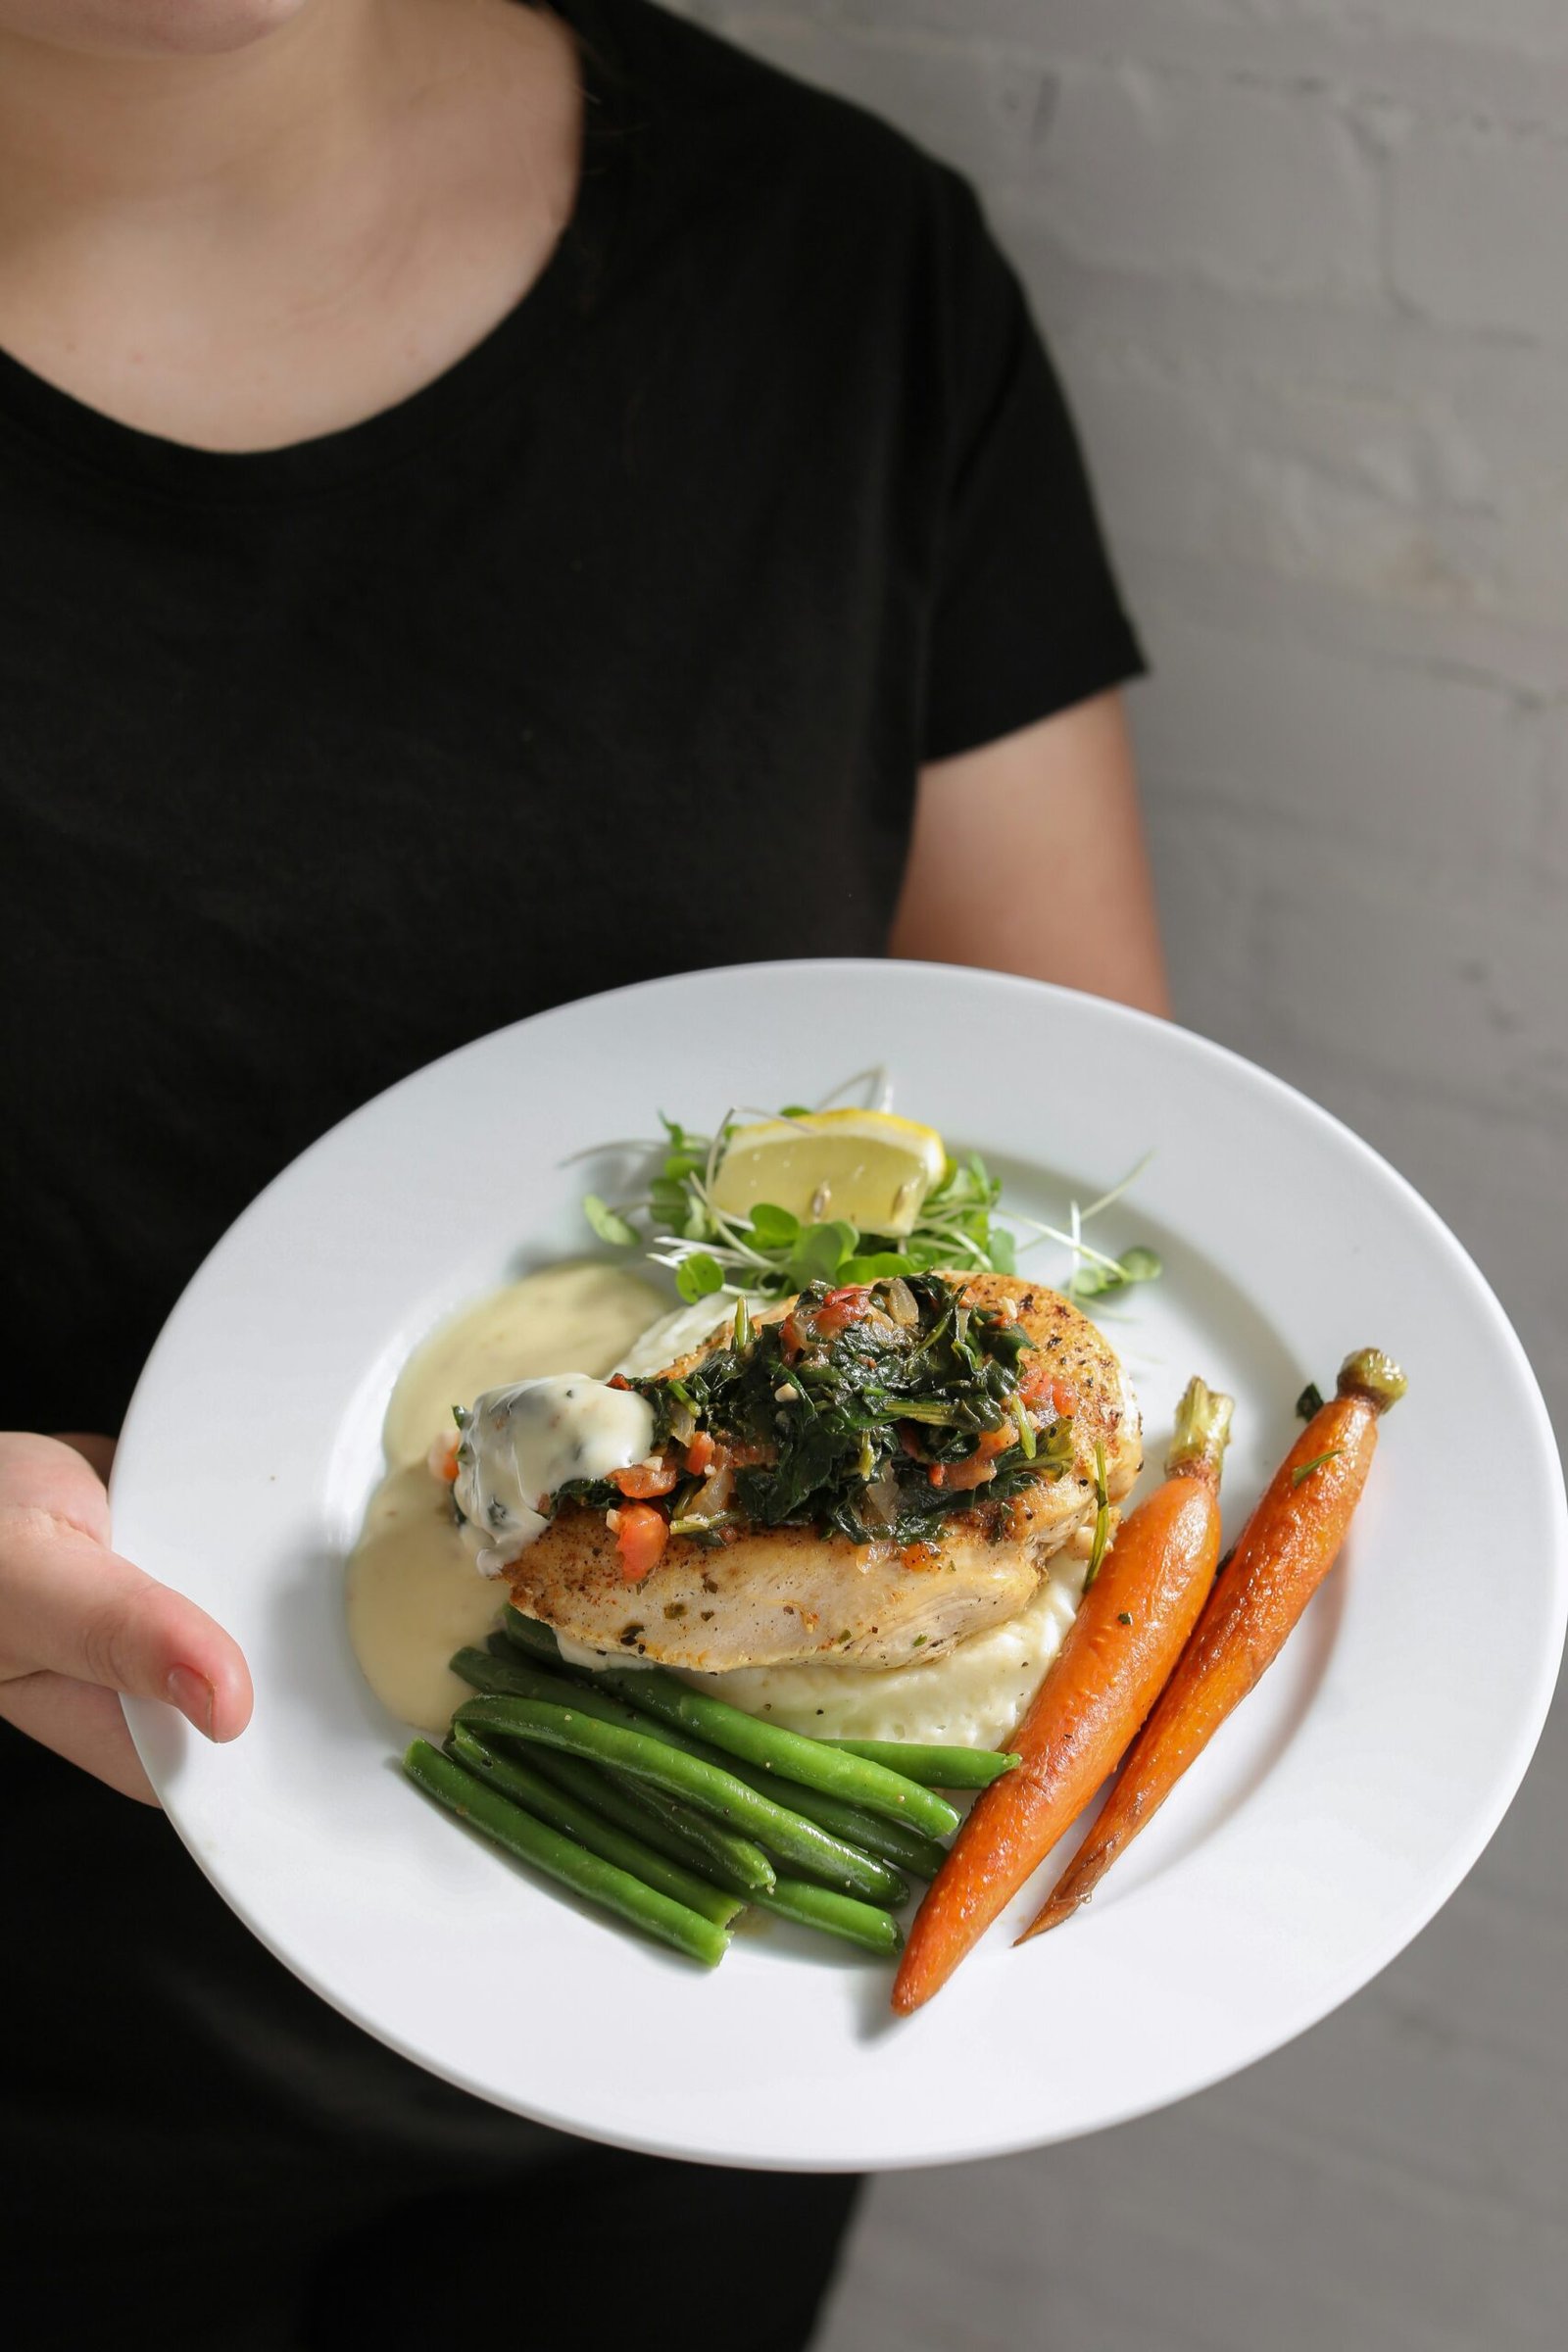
(1102, 1280)
(607, 1223)
(1305, 1470)
(821, 1253)
(774, 1228)
(698, 1276)
(1310, 1403)
(773, 1252)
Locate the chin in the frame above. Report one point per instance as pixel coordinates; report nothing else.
(148, 28)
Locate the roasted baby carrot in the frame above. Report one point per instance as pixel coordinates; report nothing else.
(1285, 1552)
(1129, 1629)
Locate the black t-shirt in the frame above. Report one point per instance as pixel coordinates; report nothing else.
(614, 652)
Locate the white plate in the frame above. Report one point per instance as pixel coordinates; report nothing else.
(1323, 1828)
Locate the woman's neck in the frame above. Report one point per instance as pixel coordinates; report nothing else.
(250, 248)
(85, 132)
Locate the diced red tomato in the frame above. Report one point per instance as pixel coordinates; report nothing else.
(646, 1477)
(700, 1453)
(640, 1540)
(840, 1309)
(1043, 1392)
(978, 1467)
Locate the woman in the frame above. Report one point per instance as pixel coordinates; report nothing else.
(498, 504)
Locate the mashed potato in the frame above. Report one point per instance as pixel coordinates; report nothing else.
(971, 1698)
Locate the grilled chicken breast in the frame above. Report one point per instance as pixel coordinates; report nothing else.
(783, 1596)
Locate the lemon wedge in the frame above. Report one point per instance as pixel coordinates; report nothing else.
(866, 1166)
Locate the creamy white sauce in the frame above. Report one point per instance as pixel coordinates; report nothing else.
(523, 1442)
(414, 1598)
(584, 1313)
(414, 1595)
(675, 1335)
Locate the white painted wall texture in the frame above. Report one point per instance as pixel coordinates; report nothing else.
(1303, 264)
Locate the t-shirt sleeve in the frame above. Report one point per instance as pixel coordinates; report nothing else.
(1025, 616)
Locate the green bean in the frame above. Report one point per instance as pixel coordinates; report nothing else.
(788, 1755)
(481, 1670)
(518, 1677)
(501, 1667)
(834, 1915)
(789, 1836)
(529, 1634)
(738, 1861)
(552, 1805)
(934, 1767)
(515, 1678)
(891, 1841)
(690, 1837)
(588, 1875)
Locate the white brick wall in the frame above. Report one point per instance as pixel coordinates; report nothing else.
(1476, 214)
(1183, 144)
(1304, 266)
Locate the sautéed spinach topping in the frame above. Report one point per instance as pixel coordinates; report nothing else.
(871, 1412)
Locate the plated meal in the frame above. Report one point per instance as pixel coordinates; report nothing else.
(292, 1437)
(827, 1510)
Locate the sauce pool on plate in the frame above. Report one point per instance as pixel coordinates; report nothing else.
(415, 1595)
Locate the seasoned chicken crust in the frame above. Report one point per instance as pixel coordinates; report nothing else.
(787, 1596)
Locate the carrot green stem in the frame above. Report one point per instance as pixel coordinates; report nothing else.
(1202, 1433)
(1371, 1374)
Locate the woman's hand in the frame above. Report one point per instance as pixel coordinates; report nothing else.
(78, 1624)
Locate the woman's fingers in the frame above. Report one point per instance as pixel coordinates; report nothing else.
(80, 1722)
(56, 1476)
(69, 1607)
(97, 1450)
(78, 1624)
